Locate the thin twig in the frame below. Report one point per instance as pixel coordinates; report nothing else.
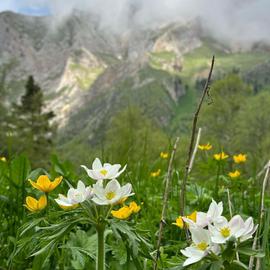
(195, 119)
(165, 201)
(254, 245)
(195, 150)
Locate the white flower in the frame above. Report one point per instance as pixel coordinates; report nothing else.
(248, 230)
(203, 219)
(106, 171)
(112, 193)
(224, 230)
(201, 246)
(74, 196)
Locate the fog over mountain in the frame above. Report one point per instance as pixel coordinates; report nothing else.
(234, 21)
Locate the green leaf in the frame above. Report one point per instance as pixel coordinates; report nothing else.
(251, 252)
(229, 252)
(19, 170)
(216, 265)
(239, 265)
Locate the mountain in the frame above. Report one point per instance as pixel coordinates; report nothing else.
(89, 74)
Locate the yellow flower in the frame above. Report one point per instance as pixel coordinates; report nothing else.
(220, 156)
(134, 207)
(180, 222)
(123, 213)
(155, 174)
(44, 184)
(3, 159)
(164, 155)
(122, 200)
(34, 205)
(241, 158)
(234, 174)
(205, 147)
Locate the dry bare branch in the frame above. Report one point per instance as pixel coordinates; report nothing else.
(192, 139)
(165, 202)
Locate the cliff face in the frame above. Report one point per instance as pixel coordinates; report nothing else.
(76, 61)
(88, 74)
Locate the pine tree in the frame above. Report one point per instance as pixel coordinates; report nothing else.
(33, 133)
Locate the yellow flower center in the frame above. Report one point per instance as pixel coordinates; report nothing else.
(202, 246)
(110, 195)
(103, 172)
(225, 232)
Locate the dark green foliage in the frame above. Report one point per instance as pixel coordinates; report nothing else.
(135, 137)
(32, 133)
(229, 96)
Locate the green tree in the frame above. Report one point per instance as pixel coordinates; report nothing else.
(33, 134)
(253, 129)
(219, 119)
(132, 137)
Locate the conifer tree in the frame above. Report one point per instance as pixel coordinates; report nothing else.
(33, 133)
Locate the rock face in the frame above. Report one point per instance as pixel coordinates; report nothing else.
(88, 74)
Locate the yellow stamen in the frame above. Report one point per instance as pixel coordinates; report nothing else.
(110, 195)
(225, 232)
(202, 246)
(103, 172)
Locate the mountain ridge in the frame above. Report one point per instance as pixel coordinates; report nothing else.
(88, 74)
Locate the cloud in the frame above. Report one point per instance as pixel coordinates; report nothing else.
(241, 21)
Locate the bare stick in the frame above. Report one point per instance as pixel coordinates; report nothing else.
(195, 120)
(254, 245)
(195, 150)
(165, 201)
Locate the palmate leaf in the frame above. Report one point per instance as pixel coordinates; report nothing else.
(41, 240)
(135, 243)
(119, 252)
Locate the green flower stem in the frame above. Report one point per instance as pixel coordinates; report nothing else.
(100, 262)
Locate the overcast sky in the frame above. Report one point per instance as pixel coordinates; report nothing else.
(237, 20)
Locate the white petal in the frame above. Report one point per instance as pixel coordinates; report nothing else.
(220, 208)
(96, 164)
(121, 171)
(199, 235)
(80, 186)
(126, 190)
(236, 224)
(63, 202)
(201, 219)
(71, 193)
(112, 186)
(99, 191)
(215, 210)
(195, 252)
(215, 249)
(107, 165)
(88, 193)
(191, 223)
(191, 260)
(113, 170)
(221, 222)
(219, 239)
(100, 201)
